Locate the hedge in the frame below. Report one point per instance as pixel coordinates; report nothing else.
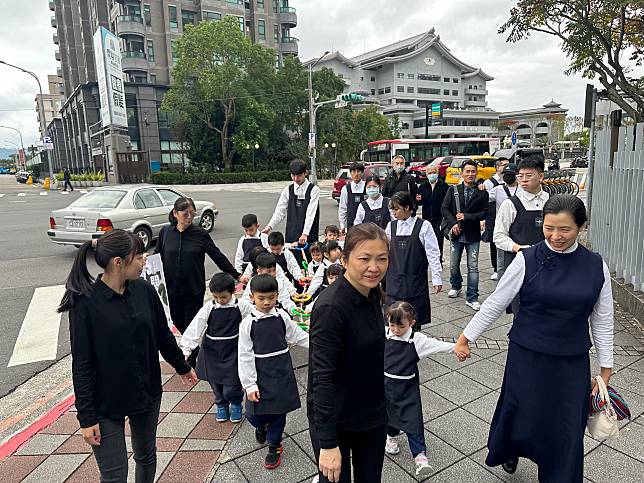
(167, 177)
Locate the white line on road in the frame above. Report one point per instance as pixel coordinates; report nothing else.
(64, 192)
(2, 195)
(43, 193)
(38, 337)
(22, 194)
(83, 191)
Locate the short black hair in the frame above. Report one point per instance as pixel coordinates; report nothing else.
(532, 163)
(356, 166)
(400, 312)
(222, 282)
(276, 238)
(297, 166)
(254, 253)
(263, 284)
(469, 162)
(265, 260)
(374, 178)
(249, 220)
(332, 229)
(331, 245)
(566, 203)
(402, 199)
(334, 270)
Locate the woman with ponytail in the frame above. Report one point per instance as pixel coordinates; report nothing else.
(117, 329)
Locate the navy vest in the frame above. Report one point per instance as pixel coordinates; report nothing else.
(527, 227)
(558, 295)
(380, 217)
(353, 201)
(407, 272)
(296, 216)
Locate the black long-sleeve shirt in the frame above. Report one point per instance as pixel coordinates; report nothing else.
(115, 341)
(346, 363)
(184, 253)
(402, 182)
(474, 211)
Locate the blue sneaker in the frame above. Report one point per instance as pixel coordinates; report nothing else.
(222, 414)
(235, 413)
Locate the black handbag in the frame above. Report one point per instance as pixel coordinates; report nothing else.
(445, 228)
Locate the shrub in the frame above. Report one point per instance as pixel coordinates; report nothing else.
(166, 177)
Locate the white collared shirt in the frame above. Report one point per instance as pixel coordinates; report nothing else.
(498, 195)
(374, 205)
(282, 206)
(284, 291)
(507, 214)
(192, 336)
(344, 199)
(489, 185)
(318, 278)
(246, 355)
(239, 254)
(601, 319)
(425, 345)
(429, 241)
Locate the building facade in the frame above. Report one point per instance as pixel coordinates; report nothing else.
(405, 77)
(148, 31)
(542, 126)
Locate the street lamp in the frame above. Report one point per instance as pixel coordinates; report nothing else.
(21, 143)
(313, 148)
(256, 147)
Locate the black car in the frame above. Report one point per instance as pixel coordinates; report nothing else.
(521, 154)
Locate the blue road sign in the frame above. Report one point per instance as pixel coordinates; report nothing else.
(514, 137)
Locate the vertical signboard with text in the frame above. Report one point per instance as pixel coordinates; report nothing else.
(109, 73)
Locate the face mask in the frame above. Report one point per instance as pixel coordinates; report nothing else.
(432, 177)
(509, 178)
(399, 169)
(373, 191)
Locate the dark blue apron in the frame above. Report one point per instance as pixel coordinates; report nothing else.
(353, 201)
(247, 245)
(217, 359)
(380, 216)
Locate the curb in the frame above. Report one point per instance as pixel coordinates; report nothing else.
(41, 423)
(629, 298)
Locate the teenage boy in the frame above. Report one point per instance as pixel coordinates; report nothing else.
(351, 195)
(464, 223)
(489, 184)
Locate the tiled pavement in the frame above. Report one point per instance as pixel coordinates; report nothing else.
(458, 403)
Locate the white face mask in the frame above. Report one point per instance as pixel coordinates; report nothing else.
(373, 191)
(399, 169)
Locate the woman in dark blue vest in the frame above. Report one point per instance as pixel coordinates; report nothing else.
(375, 209)
(543, 407)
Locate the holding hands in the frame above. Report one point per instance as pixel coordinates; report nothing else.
(189, 378)
(462, 348)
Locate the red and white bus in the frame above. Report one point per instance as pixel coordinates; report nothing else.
(426, 150)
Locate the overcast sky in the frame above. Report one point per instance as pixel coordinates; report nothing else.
(527, 74)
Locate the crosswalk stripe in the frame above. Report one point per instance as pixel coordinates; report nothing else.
(38, 336)
(43, 193)
(1, 195)
(22, 194)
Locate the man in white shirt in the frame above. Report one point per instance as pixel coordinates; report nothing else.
(299, 203)
(519, 222)
(351, 195)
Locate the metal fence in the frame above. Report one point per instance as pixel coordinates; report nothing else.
(617, 224)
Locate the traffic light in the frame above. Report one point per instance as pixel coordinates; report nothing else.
(351, 97)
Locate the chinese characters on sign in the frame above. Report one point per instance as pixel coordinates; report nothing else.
(109, 75)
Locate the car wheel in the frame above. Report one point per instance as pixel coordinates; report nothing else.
(207, 221)
(145, 235)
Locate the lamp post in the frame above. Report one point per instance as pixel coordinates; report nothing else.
(313, 149)
(21, 143)
(256, 148)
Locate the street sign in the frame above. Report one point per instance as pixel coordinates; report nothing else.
(514, 138)
(311, 140)
(49, 144)
(339, 104)
(21, 155)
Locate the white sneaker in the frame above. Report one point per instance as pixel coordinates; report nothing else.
(391, 447)
(453, 293)
(315, 479)
(422, 465)
(474, 305)
(494, 276)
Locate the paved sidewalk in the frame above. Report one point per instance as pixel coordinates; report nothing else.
(458, 403)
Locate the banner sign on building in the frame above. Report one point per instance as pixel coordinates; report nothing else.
(109, 73)
(153, 273)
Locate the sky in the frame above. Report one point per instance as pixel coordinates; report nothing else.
(527, 74)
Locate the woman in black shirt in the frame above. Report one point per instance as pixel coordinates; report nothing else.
(183, 247)
(117, 329)
(346, 395)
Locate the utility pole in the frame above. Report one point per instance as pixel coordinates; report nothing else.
(589, 155)
(312, 134)
(427, 121)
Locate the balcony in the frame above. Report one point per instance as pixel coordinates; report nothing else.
(56, 42)
(53, 22)
(479, 92)
(475, 103)
(134, 61)
(52, 5)
(288, 16)
(57, 55)
(130, 24)
(289, 45)
(542, 130)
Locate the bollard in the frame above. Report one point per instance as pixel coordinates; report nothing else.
(30, 180)
(45, 185)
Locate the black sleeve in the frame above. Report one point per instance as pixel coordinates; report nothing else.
(219, 258)
(447, 208)
(413, 188)
(325, 346)
(83, 366)
(166, 343)
(162, 234)
(387, 187)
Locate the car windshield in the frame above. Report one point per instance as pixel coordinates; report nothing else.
(343, 174)
(99, 199)
(380, 171)
(457, 163)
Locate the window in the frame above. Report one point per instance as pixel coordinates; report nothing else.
(410, 90)
(147, 14)
(387, 90)
(373, 79)
(427, 77)
(373, 92)
(455, 93)
(419, 123)
(446, 92)
(147, 199)
(235, 2)
(212, 16)
(241, 23)
(187, 18)
(401, 75)
(261, 30)
(169, 196)
(445, 79)
(400, 89)
(172, 18)
(260, 4)
(153, 78)
(173, 45)
(381, 91)
(276, 33)
(410, 76)
(425, 90)
(151, 50)
(455, 80)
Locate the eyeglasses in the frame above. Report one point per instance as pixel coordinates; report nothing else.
(526, 175)
(187, 214)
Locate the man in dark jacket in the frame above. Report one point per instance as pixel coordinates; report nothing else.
(399, 179)
(464, 222)
(67, 179)
(431, 194)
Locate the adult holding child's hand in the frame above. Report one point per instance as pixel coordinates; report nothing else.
(346, 393)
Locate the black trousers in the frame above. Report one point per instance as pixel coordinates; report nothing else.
(66, 184)
(363, 451)
(226, 394)
(493, 256)
(183, 309)
(436, 225)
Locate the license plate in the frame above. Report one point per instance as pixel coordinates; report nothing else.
(76, 223)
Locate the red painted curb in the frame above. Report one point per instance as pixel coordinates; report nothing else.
(41, 423)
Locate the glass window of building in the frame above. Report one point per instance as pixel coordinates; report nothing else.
(455, 93)
(235, 2)
(445, 79)
(260, 4)
(173, 45)
(410, 90)
(428, 77)
(151, 50)
(147, 14)
(212, 16)
(400, 88)
(446, 92)
(425, 90)
(153, 78)
(381, 91)
(241, 23)
(410, 76)
(373, 92)
(401, 75)
(172, 18)
(276, 33)
(387, 90)
(187, 17)
(373, 79)
(261, 30)
(455, 80)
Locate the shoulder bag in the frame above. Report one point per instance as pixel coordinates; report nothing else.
(602, 425)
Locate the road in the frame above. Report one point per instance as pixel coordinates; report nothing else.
(28, 260)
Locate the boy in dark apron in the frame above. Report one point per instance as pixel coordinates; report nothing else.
(266, 368)
(403, 349)
(217, 326)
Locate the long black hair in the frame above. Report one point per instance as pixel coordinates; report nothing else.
(402, 199)
(181, 203)
(115, 243)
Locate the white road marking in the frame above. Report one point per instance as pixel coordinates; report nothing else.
(17, 201)
(83, 191)
(38, 337)
(64, 192)
(43, 193)
(2, 195)
(22, 194)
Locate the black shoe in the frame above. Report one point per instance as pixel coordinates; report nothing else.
(273, 457)
(510, 466)
(260, 434)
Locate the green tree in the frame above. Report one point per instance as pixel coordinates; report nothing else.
(600, 37)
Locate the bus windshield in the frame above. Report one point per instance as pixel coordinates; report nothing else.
(424, 151)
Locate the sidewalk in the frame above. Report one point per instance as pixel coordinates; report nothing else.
(458, 403)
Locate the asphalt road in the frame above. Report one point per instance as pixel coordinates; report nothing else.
(29, 260)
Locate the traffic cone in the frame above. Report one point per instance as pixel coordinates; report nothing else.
(30, 180)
